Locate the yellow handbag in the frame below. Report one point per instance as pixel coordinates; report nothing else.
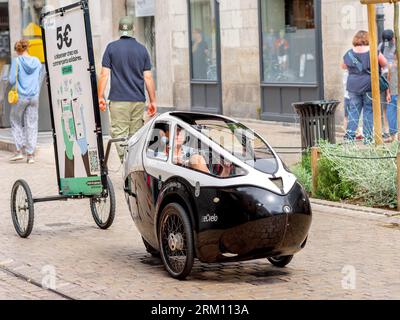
(13, 94)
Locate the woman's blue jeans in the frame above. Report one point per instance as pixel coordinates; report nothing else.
(360, 103)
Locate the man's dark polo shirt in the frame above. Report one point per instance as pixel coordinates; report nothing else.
(128, 60)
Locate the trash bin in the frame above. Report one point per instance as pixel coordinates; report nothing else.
(317, 119)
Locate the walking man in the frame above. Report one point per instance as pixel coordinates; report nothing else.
(128, 63)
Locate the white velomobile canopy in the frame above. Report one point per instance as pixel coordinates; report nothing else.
(136, 158)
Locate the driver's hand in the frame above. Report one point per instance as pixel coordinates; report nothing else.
(227, 168)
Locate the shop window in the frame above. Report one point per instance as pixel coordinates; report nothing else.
(203, 26)
(4, 36)
(31, 11)
(289, 41)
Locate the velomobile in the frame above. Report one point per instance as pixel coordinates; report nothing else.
(207, 187)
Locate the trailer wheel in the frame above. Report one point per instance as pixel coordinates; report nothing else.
(176, 241)
(22, 208)
(103, 209)
(281, 262)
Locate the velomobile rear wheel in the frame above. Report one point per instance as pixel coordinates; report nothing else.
(280, 262)
(176, 241)
(22, 208)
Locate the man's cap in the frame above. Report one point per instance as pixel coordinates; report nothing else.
(126, 26)
(388, 35)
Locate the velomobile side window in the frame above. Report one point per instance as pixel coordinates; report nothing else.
(159, 144)
(240, 141)
(191, 153)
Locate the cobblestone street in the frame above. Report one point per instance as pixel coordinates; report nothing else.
(94, 264)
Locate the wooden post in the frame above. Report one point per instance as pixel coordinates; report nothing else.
(398, 181)
(315, 153)
(376, 96)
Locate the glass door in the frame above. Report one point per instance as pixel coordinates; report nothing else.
(205, 56)
(291, 56)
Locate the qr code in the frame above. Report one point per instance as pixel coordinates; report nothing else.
(94, 161)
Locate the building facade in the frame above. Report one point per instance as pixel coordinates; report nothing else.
(241, 58)
(260, 55)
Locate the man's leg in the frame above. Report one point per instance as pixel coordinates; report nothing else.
(120, 122)
(137, 114)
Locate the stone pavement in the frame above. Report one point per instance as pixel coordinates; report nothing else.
(350, 255)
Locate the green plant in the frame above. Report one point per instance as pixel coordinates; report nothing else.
(331, 186)
(303, 176)
(302, 171)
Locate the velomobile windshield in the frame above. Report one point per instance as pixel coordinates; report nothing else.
(237, 139)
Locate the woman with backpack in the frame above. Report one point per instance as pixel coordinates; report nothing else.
(357, 62)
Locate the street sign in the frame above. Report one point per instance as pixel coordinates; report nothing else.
(73, 101)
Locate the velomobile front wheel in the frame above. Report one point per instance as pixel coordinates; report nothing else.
(22, 208)
(176, 241)
(103, 208)
(280, 262)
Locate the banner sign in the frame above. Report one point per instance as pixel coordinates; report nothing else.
(74, 105)
(145, 8)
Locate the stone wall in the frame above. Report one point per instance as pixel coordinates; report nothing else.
(240, 58)
(165, 85)
(173, 53)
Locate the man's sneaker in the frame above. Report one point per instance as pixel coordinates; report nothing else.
(17, 157)
(30, 160)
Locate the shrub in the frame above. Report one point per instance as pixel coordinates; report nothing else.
(331, 186)
(369, 171)
(363, 173)
(303, 176)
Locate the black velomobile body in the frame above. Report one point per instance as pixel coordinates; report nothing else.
(207, 187)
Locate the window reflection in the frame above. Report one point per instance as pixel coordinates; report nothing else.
(31, 10)
(159, 145)
(191, 153)
(289, 49)
(204, 53)
(4, 35)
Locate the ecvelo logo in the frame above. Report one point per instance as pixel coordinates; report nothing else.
(210, 218)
